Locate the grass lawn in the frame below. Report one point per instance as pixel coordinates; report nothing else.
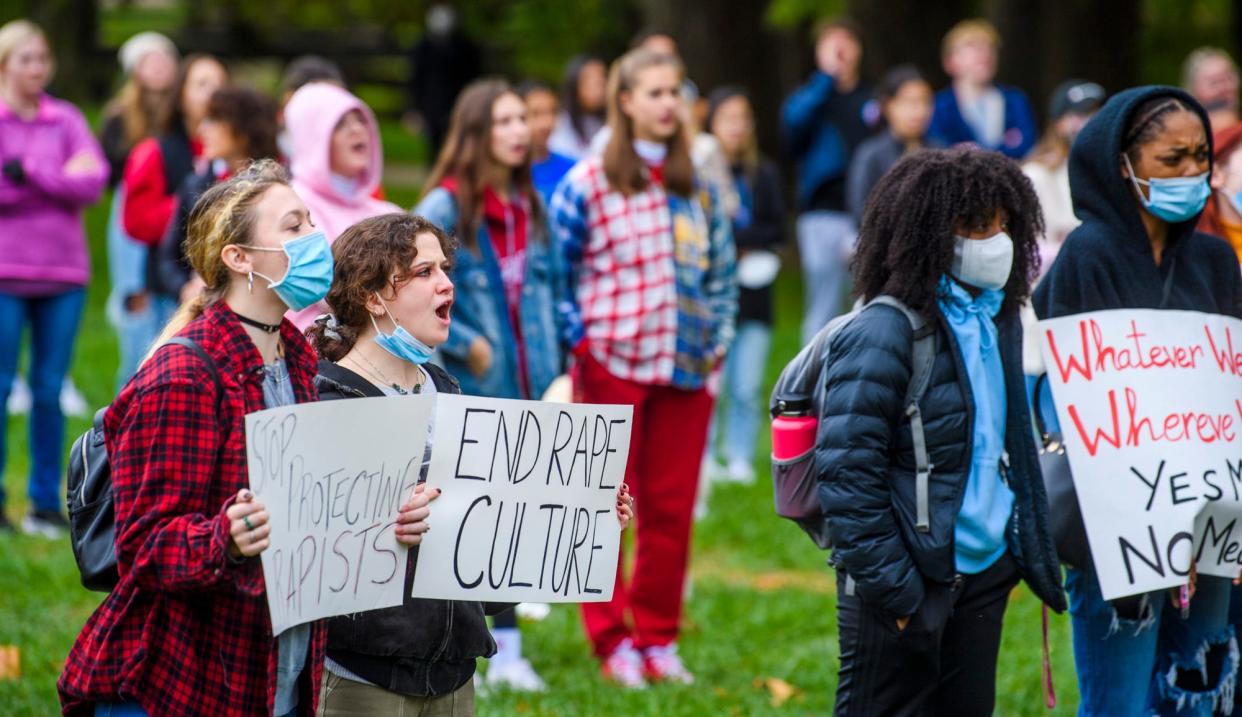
(759, 627)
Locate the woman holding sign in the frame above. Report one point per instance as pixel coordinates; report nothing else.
(507, 337)
(650, 311)
(187, 629)
(391, 305)
(1139, 180)
(926, 560)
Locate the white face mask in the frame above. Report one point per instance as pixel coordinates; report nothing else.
(984, 263)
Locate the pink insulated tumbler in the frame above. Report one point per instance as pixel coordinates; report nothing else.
(793, 428)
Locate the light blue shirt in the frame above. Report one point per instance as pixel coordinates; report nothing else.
(987, 502)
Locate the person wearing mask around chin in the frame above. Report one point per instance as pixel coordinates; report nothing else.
(187, 630)
(924, 571)
(1139, 180)
(51, 170)
(508, 339)
(391, 305)
(1222, 214)
(650, 312)
(336, 162)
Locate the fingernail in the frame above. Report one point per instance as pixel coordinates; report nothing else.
(439, 491)
(247, 495)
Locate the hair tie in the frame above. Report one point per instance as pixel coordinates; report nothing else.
(328, 325)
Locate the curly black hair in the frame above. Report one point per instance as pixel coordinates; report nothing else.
(905, 243)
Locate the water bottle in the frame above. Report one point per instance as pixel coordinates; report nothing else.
(793, 427)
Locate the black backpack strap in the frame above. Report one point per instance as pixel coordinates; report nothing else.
(923, 358)
(193, 345)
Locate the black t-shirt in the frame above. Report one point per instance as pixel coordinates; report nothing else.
(847, 112)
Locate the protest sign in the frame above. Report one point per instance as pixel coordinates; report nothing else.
(1150, 405)
(333, 476)
(528, 512)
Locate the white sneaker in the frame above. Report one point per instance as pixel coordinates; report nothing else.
(516, 675)
(19, 397)
(72, 402)
(625, 667)
(534, 611)
(740, 472)
(663, 664)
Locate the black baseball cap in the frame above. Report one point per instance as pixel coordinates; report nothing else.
(1078, 96)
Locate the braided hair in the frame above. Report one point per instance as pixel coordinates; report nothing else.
(905, 243)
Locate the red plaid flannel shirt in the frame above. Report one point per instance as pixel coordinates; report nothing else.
(187, 631)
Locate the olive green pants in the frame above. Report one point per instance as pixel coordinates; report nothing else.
(343, 697)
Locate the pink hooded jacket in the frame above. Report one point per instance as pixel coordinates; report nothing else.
(310, 118)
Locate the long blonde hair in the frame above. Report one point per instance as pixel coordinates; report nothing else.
(140, 111)
(223, 215)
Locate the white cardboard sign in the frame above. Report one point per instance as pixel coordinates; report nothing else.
(528, 509)
(333, 476)
(1150, 406)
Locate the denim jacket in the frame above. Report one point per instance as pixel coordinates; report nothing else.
(480, 309)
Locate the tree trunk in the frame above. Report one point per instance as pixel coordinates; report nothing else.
(730, 43)
(906, 31)
(72, 28)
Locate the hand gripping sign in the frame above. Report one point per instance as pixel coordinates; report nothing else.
(333, 476)
(528, 512)
(1150, 405)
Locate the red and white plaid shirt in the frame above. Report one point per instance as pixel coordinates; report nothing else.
(627, 284)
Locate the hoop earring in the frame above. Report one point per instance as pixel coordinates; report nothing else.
(250, 282)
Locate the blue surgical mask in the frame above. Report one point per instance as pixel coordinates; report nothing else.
(1236, 201)
(309, 276)
(1173, 199)
(401, 343)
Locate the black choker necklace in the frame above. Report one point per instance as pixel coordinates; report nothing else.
(269, 328)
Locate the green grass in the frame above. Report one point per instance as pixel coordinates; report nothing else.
(761, 606)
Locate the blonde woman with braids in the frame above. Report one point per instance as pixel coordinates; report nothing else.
(186, 630)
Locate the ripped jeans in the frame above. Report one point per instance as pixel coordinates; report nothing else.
(1156, 662)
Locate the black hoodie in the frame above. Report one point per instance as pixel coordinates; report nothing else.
(1107, 262)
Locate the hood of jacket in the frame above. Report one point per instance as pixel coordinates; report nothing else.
(1101, 194)
(310, 118)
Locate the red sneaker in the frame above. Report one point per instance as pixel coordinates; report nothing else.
(625, 667)
(663, 664)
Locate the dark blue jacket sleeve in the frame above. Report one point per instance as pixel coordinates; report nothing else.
(803, 109)
(866, 381)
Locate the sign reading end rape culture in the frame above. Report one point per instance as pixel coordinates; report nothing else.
(333, 477)
(1150, 406)
(528, 509)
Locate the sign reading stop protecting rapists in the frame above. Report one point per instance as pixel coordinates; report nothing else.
(528, 511)
(1150, 406)
(333, 476)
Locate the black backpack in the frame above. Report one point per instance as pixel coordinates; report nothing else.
(794, 482)
(92, 519)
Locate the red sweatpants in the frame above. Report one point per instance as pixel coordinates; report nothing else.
(666, 452)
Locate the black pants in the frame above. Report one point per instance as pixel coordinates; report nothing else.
(942, 663)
